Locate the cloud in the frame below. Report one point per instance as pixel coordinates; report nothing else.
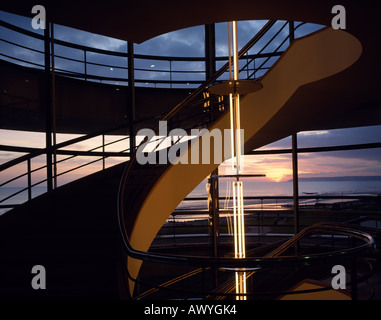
(331, 165)
(181, 43)
(89, 39)
(360, 135)
(325, 138)
(313, 133)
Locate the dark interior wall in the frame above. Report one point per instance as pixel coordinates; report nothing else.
(81, 106)
(20, 98)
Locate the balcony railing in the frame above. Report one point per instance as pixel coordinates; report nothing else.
(84, 62)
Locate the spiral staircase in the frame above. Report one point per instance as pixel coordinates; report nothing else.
(93, 235)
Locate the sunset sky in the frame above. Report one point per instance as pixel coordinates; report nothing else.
(190, 42)
(276, 167)
(323, 164)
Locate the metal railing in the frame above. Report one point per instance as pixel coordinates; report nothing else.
(266, 218)
(117, 73)
(32, 153)
(251, 60)
(84, 65)
(263, 264)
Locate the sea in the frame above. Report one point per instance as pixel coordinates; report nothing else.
(250, 189)
(315, 190)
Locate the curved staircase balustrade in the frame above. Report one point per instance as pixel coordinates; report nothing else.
(269, 261)
(309, 60)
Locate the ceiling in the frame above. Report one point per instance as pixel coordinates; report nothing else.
(138, 21)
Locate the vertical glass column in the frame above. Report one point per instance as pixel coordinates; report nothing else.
(237, 186)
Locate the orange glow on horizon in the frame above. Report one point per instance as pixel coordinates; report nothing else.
(279, 175)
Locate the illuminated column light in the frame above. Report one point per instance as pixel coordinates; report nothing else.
(234, 88)
(240, 284)
(237, 187)
(239, 236)
(235, 132)
(239, 222)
